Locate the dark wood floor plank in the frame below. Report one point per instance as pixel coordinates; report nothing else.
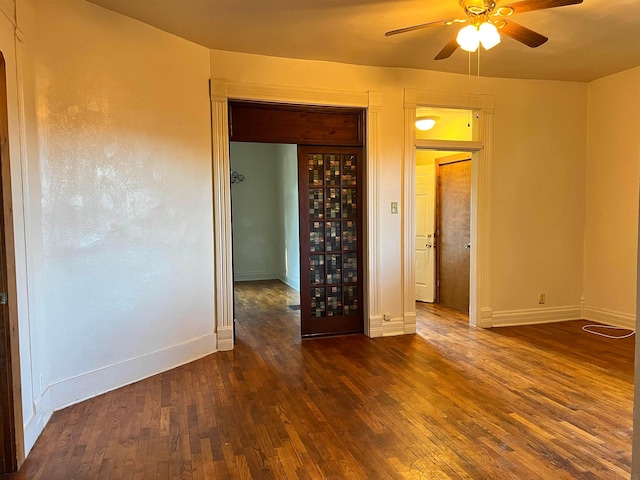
(532, 402)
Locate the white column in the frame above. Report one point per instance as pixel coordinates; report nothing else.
(373, 327)
(480, 311)
(408, 213)
(223, 281)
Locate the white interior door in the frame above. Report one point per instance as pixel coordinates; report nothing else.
(425, 238)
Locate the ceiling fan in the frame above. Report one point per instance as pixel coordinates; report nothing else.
(485, 21)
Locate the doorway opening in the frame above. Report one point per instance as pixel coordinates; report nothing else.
(265, 227)
(474, 114)
(442, 228)
(329, 173)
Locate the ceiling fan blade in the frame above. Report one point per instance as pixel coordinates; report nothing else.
(448, 49)
(531, 5)
(522, 34)
(421, 26)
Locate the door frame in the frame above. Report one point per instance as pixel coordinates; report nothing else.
(481, 147)
(221, 91)
(311, 129)
(14, 416)
(8, 432)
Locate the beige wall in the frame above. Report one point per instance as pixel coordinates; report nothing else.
(427, 157)
(538, 194)
(8, 8)
(538, 170)
(117, 165)
(611, 233)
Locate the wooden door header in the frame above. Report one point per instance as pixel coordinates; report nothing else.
(296, 124)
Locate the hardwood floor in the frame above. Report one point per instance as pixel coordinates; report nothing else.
(538, 402)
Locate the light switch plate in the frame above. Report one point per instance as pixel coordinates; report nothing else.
(394, 208)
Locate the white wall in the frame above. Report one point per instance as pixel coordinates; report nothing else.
(257, 237)
(289, 215)
(612, 199)
(119, 158)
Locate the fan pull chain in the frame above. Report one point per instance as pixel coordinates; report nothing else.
(469, 77)
(478, 86)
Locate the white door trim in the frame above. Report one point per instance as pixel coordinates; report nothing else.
(221, 92)
(480, 311)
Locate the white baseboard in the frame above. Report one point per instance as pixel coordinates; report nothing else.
(378, 327)
(375, 326)
(610, 317)
(225, 339)
(486, 316)
(34, 426)
(510, 318)
(255, 276)
(393, 327)
(87, 385)
(410, 323)
(293, 282)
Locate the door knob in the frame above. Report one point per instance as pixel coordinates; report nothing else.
(428, 245)
(468, 245)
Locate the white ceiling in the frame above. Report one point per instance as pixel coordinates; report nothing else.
(587, 41)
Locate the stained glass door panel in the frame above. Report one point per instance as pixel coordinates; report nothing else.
(331, 202)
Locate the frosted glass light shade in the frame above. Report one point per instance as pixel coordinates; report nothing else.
(468, 38)
(426, 123)
(489, 36)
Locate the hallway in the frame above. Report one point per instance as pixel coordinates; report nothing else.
(537, 402)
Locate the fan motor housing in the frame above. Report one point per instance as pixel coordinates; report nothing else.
(477, 7)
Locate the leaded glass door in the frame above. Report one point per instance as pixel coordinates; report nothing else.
(331, 279)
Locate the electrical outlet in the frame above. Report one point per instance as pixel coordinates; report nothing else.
(542, 298)
(387, 317)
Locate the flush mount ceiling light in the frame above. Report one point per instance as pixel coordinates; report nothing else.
(426, 123)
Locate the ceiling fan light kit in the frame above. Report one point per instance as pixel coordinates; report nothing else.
(489, 36)
(468, 38)
(471, 37)
(486, 20)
